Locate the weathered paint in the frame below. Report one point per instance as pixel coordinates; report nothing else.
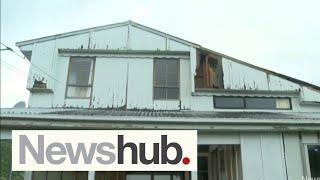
(262, 157)
(310, 95)
(123, 81)
(241, 77)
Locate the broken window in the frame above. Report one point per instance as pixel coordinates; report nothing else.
(59, 175)
(166, 79)
(314, 160)
(80, 79)
(209, 71)
(229, 102)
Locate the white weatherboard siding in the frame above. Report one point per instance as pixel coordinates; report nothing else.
(242, 77)
(262, 157)
(125, 81)
(140, 84)
(110, 87)
(293, 153)
(138, 71)
(115, 38)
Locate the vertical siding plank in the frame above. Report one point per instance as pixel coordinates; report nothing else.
(251, 157)
(293, 155)
(273, 157)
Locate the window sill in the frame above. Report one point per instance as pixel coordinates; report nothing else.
(240, 92)
(40, 90)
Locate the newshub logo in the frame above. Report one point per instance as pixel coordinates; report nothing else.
(104, 150)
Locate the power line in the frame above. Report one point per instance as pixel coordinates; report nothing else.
(13, 69)
(23, 57)
(8, 64)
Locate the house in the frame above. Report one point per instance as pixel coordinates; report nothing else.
(253, 123)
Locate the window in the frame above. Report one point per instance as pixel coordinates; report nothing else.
(252, 103)
(208, 71)
(229, 102)
(203, 167)
(226, 163)
(155, 176)
(59, 175)
(314, 160)
(166, 79)
(109, 175)
(79, 84)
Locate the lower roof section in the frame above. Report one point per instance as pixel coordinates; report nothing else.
(42, 118)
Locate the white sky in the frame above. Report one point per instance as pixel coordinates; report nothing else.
(280, 35)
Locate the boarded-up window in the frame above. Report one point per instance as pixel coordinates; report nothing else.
(80, 77)
(166, 79)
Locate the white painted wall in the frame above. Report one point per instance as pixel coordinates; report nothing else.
(128, 81)
(275, 155)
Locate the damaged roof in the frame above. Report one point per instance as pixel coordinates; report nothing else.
(195, 45)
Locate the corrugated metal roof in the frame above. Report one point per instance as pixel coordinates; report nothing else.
(43, 112)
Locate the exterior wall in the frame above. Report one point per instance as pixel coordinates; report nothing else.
(264, 155)
(241, 77)
(127, 82)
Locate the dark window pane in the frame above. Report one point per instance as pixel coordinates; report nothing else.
(39, 175)
(314, 160)
(202, 176)
(172, 66)
(80, 71)
(54, 175)
(229, 102)
(203, 163)
(68, 175)
(160, 93)
(172, 79)
(261, 103)
(172, 93)
(166, 78)
(160, 78)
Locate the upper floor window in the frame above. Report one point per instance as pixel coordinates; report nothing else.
(166, 79)
(229, 102)
(80, 77)
(209, 71)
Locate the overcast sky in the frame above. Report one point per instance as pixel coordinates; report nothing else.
(280, 35)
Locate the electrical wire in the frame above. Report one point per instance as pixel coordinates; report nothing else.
(23, 57)
(13, 69)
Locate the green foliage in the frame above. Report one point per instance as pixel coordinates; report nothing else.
(5, 168)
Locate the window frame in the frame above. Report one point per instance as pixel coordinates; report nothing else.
(152, 173)
(206, 155)
(306, 157)
(248, 97)
(166, 87)
(61, 174)
(74, 58)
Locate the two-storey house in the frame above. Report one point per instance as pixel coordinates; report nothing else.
(253, 123)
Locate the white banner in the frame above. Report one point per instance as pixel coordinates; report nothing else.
(104, 150)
